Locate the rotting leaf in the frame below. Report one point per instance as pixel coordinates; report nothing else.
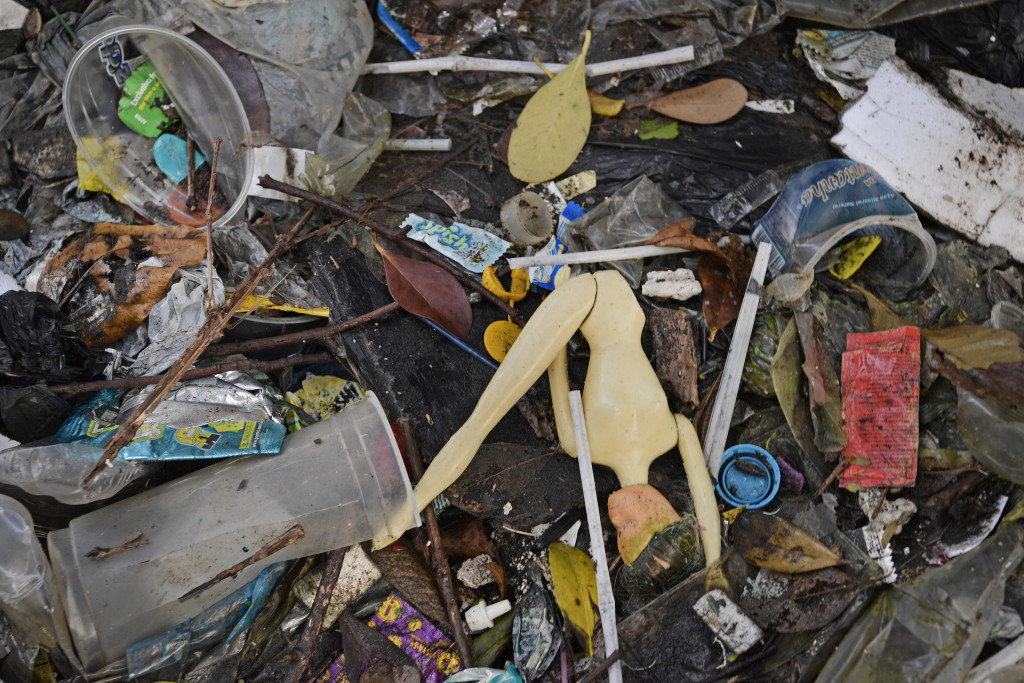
(407, 573)
(721, 297)
(466, 540)
(680, 235)
(786, 380)
(789, 603)
(713, 102)
(826, 404)
(428, 290)
(575, 583)
(604, 106)
(553, 126)
(773, 543)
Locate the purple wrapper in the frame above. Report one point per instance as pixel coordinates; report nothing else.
(404, 626)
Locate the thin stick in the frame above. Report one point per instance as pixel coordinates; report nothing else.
(317, 613)
(209, 217)
(315, 335)
(134, 541)
(602, 667)
(190, 187)
(216, 317)
(843, 464)
(442, 572)
(205, 371)
(290, 536)
(462, 276)
(459, 63)
(605, 596)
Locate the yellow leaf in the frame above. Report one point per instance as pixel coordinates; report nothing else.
(773, 543)
(553, 126)
(604, 106)
(575, 583)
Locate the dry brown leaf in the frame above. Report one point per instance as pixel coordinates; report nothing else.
(773, 543)
(427, 290)
(720, 297)
(713, 102)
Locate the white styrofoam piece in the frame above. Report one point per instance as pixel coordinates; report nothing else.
(944, 157)
(280, 163)
(728, 622)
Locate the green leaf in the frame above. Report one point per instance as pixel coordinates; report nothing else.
(575, 583)
(659, 129)
(553, 126)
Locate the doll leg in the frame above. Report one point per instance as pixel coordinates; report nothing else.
(542, 339)
(704, 504)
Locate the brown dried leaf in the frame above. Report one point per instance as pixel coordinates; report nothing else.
(721, 298)
(467, 540)
(680, 235)
(408, 574)
(773, 543)
(1003, 381)
(713, 102)
(427, 290)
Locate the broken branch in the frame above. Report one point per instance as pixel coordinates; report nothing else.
(216, 318)
(317, 613)
(133, 541)
(291, 535)
(205, 371)
(442, 571)
(209, 215)
(395, 235)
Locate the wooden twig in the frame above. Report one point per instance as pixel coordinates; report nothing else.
(442, 571)
(290, 536)
(601, 668)
(317, 334)
(463, 276)
(209, 216)
(205, 371)
(317, 613)
(190, 187)
(216, 318)
(843, 464)
(133, 541)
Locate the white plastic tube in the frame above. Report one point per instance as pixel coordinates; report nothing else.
(605, 597)
(600, 256)
(459, 63)
(729, 386)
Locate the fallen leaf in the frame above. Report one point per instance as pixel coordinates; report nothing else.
(721, 298)
(604, 106)
(656, 129)
(826, 403)
(428, 290)
(786, 381)
(408, 574)
(713, 102)
(773, 543)
(364, 647)
(553, 126)
(575, 583)
(679, 235)
(466, 540)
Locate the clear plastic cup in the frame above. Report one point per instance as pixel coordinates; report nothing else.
(341, 479)
(201, 93)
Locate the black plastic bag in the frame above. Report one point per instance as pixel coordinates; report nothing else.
(31, 413)
(38, 342)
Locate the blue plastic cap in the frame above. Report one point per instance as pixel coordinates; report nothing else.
(749, 476)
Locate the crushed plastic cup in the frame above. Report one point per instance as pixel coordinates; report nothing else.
(341, 479)
(201, 93)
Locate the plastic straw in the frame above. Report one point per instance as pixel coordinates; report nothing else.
(605, 597)
(600, 256)
(729, 386)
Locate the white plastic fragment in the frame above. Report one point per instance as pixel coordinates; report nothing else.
(474, 573)
(959, 162)
(728, 622)
(281, 163)
(412, 145)
(481, 616)
(679, 284)
(772, 106)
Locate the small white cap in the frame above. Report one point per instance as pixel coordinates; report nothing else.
(480, 616)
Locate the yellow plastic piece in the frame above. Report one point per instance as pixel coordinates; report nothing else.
(853, 254)
(253, 301)
(520, 284)
(499, 337)
(705, 507)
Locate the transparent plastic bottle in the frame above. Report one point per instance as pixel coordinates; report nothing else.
(28, 595)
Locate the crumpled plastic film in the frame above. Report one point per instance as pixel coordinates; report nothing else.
(307, 55)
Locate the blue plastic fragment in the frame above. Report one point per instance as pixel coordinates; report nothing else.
(396, 29)
(749, 476)
(171, 155)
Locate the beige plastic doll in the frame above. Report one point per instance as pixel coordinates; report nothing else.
(628, 420)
